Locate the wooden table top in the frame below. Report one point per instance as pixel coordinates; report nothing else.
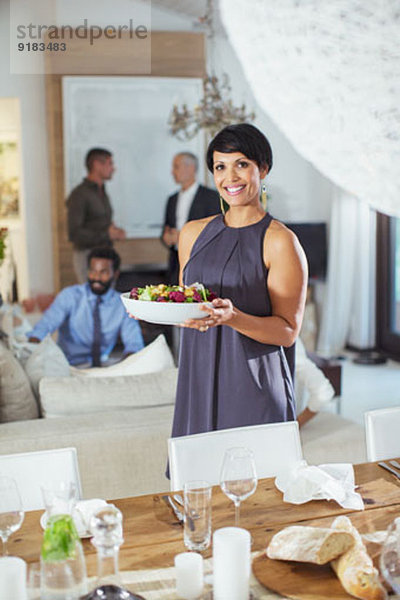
(153, 536)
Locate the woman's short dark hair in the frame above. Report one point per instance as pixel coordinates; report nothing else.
(243, 138)
(105, 252)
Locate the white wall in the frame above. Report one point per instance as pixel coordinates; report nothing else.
(35, 173)
(297, 190)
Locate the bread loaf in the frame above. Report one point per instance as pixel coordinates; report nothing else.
(309, 544)
(355, 569)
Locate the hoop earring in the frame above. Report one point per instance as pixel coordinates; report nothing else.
(264, 197)
(221, 203)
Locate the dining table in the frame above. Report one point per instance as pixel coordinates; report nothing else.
(153, 535)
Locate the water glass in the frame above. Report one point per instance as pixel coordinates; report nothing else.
(11, 510)
(59, 498)
(197, 515)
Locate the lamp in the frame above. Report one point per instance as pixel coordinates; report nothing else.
(215, 109)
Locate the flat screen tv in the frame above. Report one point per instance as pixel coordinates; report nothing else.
(312, 236)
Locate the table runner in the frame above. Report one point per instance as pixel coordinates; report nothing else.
(159, 584)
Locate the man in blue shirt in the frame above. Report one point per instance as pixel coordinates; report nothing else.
(89, 317)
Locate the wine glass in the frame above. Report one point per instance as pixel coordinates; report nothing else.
(11, 511)
(390, 556)
(238, 476)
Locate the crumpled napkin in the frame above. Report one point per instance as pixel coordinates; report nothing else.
(83, 512)
(302, 483)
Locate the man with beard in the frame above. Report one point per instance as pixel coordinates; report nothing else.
(90, 317)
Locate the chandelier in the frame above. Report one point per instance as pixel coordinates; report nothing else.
(215, 109)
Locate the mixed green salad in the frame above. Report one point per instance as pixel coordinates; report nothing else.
(172, 293)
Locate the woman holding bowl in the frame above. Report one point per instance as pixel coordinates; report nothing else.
(233, 368)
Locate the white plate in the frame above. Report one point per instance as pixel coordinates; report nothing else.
(82, 534)
(164, 313)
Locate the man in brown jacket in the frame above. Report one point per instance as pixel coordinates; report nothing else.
(89, 211)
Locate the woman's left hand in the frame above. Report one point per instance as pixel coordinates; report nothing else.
(220, 313)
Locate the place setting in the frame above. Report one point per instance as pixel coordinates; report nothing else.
(227, 574)
(302, 562)
(312, 558)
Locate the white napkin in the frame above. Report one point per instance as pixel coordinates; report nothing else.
(83, 512)
(302, 483)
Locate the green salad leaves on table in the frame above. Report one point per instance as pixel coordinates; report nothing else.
(172, 293)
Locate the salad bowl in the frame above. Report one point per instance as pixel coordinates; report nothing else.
(163, 313)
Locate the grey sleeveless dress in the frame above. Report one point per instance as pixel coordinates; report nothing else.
(225, 378)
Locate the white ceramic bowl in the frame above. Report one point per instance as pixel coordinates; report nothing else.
(164, 313)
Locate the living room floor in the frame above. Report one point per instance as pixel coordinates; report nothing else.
(368, 387)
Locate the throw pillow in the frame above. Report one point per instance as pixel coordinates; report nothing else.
(45, 360)
(17, 401)
(155, 357)
(66, 396)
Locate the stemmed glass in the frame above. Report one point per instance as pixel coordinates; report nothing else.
(11, 511)
(390, 556)
(238, 477)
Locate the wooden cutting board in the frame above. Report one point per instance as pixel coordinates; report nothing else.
(300, 581)
(304, 581)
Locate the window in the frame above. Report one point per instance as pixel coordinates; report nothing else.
(388, 285)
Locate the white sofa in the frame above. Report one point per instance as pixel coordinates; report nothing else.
(122, 451)
(119, 422)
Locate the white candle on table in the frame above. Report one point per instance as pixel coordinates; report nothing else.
(231, 556)
(189, 575)
(13, 578)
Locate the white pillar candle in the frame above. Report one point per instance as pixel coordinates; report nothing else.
(231, 554)
(189, 575)
(13, 578)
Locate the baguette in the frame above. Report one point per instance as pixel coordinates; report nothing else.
(355, 568)
(309, 544)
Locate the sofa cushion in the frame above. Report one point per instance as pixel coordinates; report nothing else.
(64, 396)
(45, 360)
(17, 401)
(154, 357)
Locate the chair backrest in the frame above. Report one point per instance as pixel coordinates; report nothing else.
(199, 456)
(382, 436)
(33, 469)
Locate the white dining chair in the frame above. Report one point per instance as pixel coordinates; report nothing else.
(33, 469)
(382, 428)
(199, 456)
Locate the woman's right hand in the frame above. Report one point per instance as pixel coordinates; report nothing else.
(220, 313)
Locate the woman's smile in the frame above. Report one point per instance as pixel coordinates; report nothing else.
(235, 190)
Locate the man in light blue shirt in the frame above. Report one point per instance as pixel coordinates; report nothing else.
(89, 317)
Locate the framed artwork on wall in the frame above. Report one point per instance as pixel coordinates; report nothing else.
(129, 117)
